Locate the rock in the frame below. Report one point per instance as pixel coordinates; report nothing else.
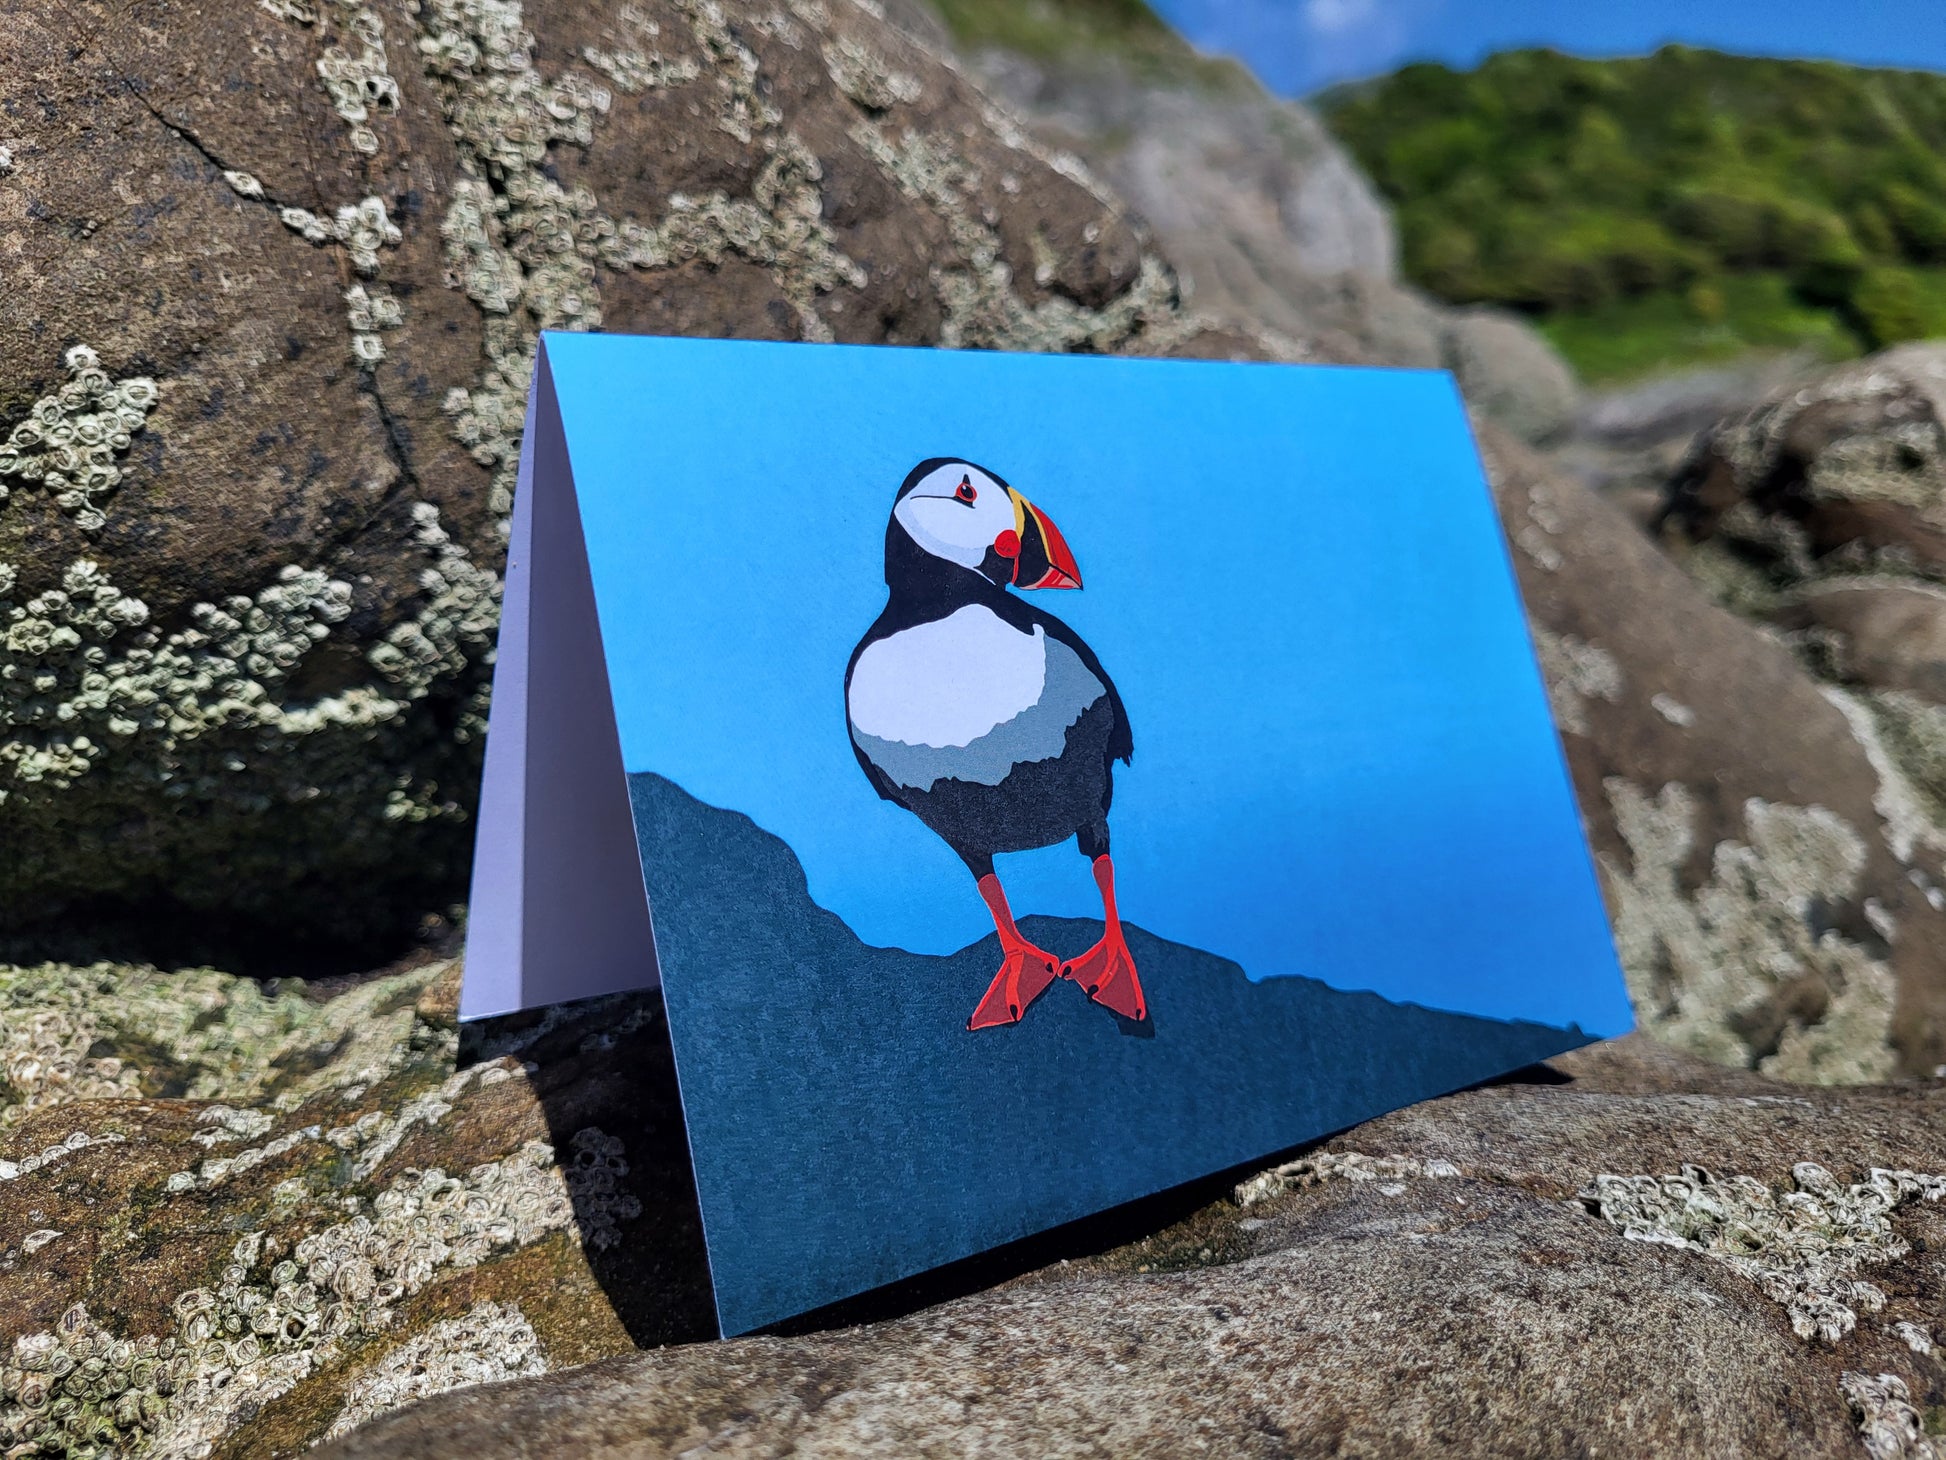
(276, 276)
(1426, 1284)
(1766, 862)
(1629, 440)
(1267, 216)
(1821, 513)
(237, 1219)
(1846, 470)
(1511, 374)
(1886, 634)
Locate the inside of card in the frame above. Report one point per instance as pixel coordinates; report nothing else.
(558, 908)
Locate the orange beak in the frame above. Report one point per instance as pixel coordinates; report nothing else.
(1044, 559)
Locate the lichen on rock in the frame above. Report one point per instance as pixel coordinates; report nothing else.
(329, 1236)
(1696, 959)
(360, 81)
(1803, 1247)
(1309, 1171)
(1575, 671)
(275, 1314)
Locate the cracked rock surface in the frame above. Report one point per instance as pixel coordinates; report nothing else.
(275, 273)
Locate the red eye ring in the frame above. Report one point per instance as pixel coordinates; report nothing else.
(966, 491)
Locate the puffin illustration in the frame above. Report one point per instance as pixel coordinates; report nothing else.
(988, 719)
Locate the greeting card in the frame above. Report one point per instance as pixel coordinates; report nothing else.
(1035, 781)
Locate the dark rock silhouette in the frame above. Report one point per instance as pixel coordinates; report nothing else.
(848, 1131)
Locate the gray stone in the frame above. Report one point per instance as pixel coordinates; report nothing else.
(1270, 221)
(1509, 372)
(1457, 1279)
(275, 275)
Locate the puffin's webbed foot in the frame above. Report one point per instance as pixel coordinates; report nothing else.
(1025, 972)
(1107, 972)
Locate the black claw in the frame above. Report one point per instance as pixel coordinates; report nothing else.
(1014, 1009)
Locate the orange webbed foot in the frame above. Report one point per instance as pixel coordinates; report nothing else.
(1025, 972)
(1107, 972)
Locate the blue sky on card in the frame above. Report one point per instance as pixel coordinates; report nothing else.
(1298, 46)
(1344, 764)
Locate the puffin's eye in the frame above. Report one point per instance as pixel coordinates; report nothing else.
(966, 491)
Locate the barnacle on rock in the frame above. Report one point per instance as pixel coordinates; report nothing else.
(1802, 1247)
(363, 228)
(634, 71)
(69, 442)
(1309, 1171)
(368, 311)
(983, 309)
(865, 78)
(490, 1343)
(92, 693)
(594, 1174)
(1889, 1424)
(83, 672)
(359, 81)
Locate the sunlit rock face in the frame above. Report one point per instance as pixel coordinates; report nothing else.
(275, 280)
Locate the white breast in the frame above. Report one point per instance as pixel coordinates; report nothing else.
(947, 682)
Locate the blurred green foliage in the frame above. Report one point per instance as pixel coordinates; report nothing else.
(1127, 30)
(1688, 202)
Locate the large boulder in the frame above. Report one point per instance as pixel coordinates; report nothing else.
(1510, 374)
(1426, 1285)
(1820, 512)
(236, 1220)
(1265, 214)
(1764, 858)
(275, 275)
(1840, 471)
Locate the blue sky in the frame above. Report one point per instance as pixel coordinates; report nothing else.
(1298, 46)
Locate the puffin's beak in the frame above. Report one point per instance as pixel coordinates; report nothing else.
(1044, 560)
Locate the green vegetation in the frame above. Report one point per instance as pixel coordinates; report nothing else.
(1683, 206)
(1046, 28)
(1127, 30)
(1708, 323)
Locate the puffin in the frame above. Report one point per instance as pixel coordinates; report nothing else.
(988, 718)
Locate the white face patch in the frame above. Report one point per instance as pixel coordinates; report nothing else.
(947, 682)
(937, 515)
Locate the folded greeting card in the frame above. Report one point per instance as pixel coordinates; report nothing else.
(1035, 781)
